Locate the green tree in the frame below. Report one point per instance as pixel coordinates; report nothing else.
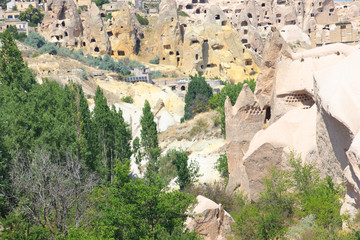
(13, 71)
(131, 209)
(181, 163)
(149, 140)
(32, 15)
(197, 96)
(112, 137)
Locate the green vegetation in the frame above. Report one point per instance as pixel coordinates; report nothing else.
(298, 195)
(156, 74)
(127, 99)
(99, 3)
(65, 171)
(222, 166)
(176, 164)
(15, 34)
(232, 91)
(197, 96)
(32, 15)
(182, 13)
(122, 66)
(155, 60)
(142, 20)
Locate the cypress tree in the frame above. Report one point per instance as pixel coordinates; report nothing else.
(13, 71)
(149, 139)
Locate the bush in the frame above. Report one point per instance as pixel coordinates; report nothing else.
(49, 48)
(84, 75)
(142, 20)
(221, 165)
(294, 195)
(35, 40)
(127, 99)
(156, 74)
(155, 60)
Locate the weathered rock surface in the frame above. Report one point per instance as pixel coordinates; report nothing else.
(243, 120)
(62, 23)
(95, 40)
(313, 100)
(211, 221)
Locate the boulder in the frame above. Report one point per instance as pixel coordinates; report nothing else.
(211, 221)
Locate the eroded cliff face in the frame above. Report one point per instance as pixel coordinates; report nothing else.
(212, 47)
(309, 103)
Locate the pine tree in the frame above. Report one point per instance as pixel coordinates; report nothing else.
(13, 71)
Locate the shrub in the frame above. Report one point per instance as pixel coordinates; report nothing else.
(35, 40)
(127, 99)
(156, 74)
(155, 60)
(142, 20)
(221, 165)
(84, 75)
(49, 48)
(182, 13)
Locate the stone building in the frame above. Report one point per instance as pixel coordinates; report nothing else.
(342, 32)
(20, 25)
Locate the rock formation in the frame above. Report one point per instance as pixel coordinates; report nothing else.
(243, 120)
(314, 113)
(95, 40)
(211, 221)
(62, 23)
(123, 32)
(253, 19)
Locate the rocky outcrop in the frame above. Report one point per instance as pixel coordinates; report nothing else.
(123, 32)
(62, 23)
(314, 111)
(211, 221)
(243, 120)
(337, 124)
(169, 34)
(95, 40)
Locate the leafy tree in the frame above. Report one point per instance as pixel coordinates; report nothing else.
(111, 142)
(181, 163)
(131, 209)
(232, 91)
(13, 71)
(197, 96)
(32, 15)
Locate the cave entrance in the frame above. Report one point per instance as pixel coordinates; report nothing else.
(267, 113)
